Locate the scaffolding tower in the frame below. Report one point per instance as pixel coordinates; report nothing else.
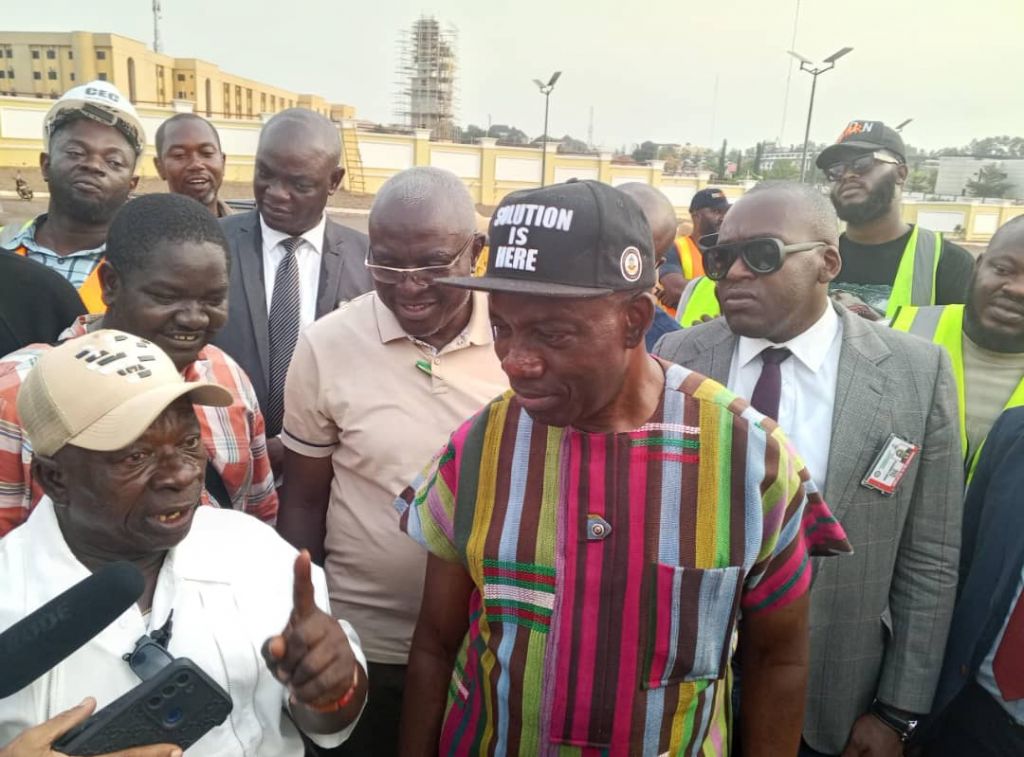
(427, 66)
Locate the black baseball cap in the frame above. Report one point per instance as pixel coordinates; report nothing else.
(709, 197)
(578, 239)
(859, 137)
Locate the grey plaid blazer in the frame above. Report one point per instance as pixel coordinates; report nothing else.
(879, 617)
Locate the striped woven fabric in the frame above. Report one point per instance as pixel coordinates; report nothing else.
(610, 570)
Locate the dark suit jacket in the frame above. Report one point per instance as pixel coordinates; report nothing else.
(342, 277)
(992, 556)
(878, 617)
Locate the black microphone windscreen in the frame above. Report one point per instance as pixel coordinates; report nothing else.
(42, 639)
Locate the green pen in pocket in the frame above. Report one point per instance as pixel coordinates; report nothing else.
(424, 365)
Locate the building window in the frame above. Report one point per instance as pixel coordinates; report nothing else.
(101, 76)
(181, 77)
(51, 54)
(72, 75)
(10, 73)
(71, 54)
(3, 74)
(101, 55)
(52, 75)
(37, 75)
(35, 55)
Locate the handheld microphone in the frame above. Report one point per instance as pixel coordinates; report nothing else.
(42, 639)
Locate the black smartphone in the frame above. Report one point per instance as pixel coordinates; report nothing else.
(178, 705)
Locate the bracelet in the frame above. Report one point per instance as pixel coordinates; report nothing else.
(905, 728)
(342, 701)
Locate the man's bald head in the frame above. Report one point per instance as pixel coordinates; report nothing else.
(1010, 234)
(301, 124)
(661, 216)
(429, 189)
(804, 204)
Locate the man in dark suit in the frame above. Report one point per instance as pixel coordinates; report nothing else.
(290, 264)
(979, 705)
(874, 416)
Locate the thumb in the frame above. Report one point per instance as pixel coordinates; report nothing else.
(303, 598)
(60, 724)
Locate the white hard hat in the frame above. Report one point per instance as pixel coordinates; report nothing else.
(99, 101)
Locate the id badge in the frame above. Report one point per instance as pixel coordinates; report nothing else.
(891, 465)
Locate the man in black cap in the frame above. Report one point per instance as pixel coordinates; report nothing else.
(887, 263)
(683, 261)
(576, 496)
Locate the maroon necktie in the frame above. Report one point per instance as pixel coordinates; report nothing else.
(768, 389)
(1008, 665)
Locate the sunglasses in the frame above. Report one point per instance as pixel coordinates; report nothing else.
(762, 256)
(425, 275)
(860, 165)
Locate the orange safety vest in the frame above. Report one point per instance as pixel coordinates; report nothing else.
(91, 290)
(692, 263)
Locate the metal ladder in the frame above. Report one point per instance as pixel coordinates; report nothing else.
(353, 161)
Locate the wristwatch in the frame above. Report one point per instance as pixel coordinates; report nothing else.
(904, 726)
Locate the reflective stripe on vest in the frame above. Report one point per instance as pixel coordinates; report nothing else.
(690, 258)
(701, 300)
(91, 291)
(944, 325)
(915, 277)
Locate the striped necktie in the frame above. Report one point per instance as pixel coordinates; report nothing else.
(283, 328)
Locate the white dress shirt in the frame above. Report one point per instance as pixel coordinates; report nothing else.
(308, 255)
(808, 386)
(229, 583)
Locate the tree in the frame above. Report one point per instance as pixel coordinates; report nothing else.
(991, 181)
(508, 135)
(472, 133)
(922, 180)
(783, 170)
(758, 155)
(645, 151)
(720, 173)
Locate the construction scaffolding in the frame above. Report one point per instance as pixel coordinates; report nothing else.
(426, 91)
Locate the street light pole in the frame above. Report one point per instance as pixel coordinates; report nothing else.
(545, 89)
(815, 71)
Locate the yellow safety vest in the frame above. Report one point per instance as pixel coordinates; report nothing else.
(915, 277)
(702, 301)
(944, 325)
(91, 290)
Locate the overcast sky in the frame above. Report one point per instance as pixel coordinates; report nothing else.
(647, 67)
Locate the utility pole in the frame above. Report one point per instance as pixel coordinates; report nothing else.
(157, 45)
(545, 89)
(808, 66)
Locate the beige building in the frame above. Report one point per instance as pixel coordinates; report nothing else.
(45, 64)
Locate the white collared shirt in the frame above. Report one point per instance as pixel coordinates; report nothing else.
(808, 386)
(229, 582)
(308, 255)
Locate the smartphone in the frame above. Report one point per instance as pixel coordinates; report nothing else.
(178, 705)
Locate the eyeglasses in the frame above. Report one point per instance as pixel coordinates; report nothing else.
(859, 165)
(425, 275)
(762, 256)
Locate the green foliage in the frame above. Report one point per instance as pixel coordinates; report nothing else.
(989, 182)
(783, 170)
(922, 180)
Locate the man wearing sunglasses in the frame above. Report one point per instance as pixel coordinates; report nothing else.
(887, 263)
(373, 391)
(873, 414)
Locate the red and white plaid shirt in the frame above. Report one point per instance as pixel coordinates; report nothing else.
(234, 436)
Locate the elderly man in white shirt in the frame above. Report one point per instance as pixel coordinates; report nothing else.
(118, 452)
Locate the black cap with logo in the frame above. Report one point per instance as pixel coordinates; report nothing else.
(859, 137)
(578, 239)
(709, 197)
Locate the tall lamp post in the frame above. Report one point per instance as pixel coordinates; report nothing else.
(815, 71)
(545, 89)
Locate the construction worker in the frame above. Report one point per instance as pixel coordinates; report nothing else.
(887, 263)
(984, 338)
(92, 138)
(683, 262)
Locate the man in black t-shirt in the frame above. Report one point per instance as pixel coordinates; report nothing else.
(36, 303)
(886, 262)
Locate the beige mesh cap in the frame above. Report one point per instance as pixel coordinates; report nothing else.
(102, 391)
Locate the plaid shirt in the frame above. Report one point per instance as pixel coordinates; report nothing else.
(233, 436)
(75, 266)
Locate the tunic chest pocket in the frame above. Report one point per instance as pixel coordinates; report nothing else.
(691, 617)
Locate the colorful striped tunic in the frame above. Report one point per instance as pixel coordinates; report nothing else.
(610, 570)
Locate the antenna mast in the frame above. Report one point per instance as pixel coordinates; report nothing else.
(157, 47)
